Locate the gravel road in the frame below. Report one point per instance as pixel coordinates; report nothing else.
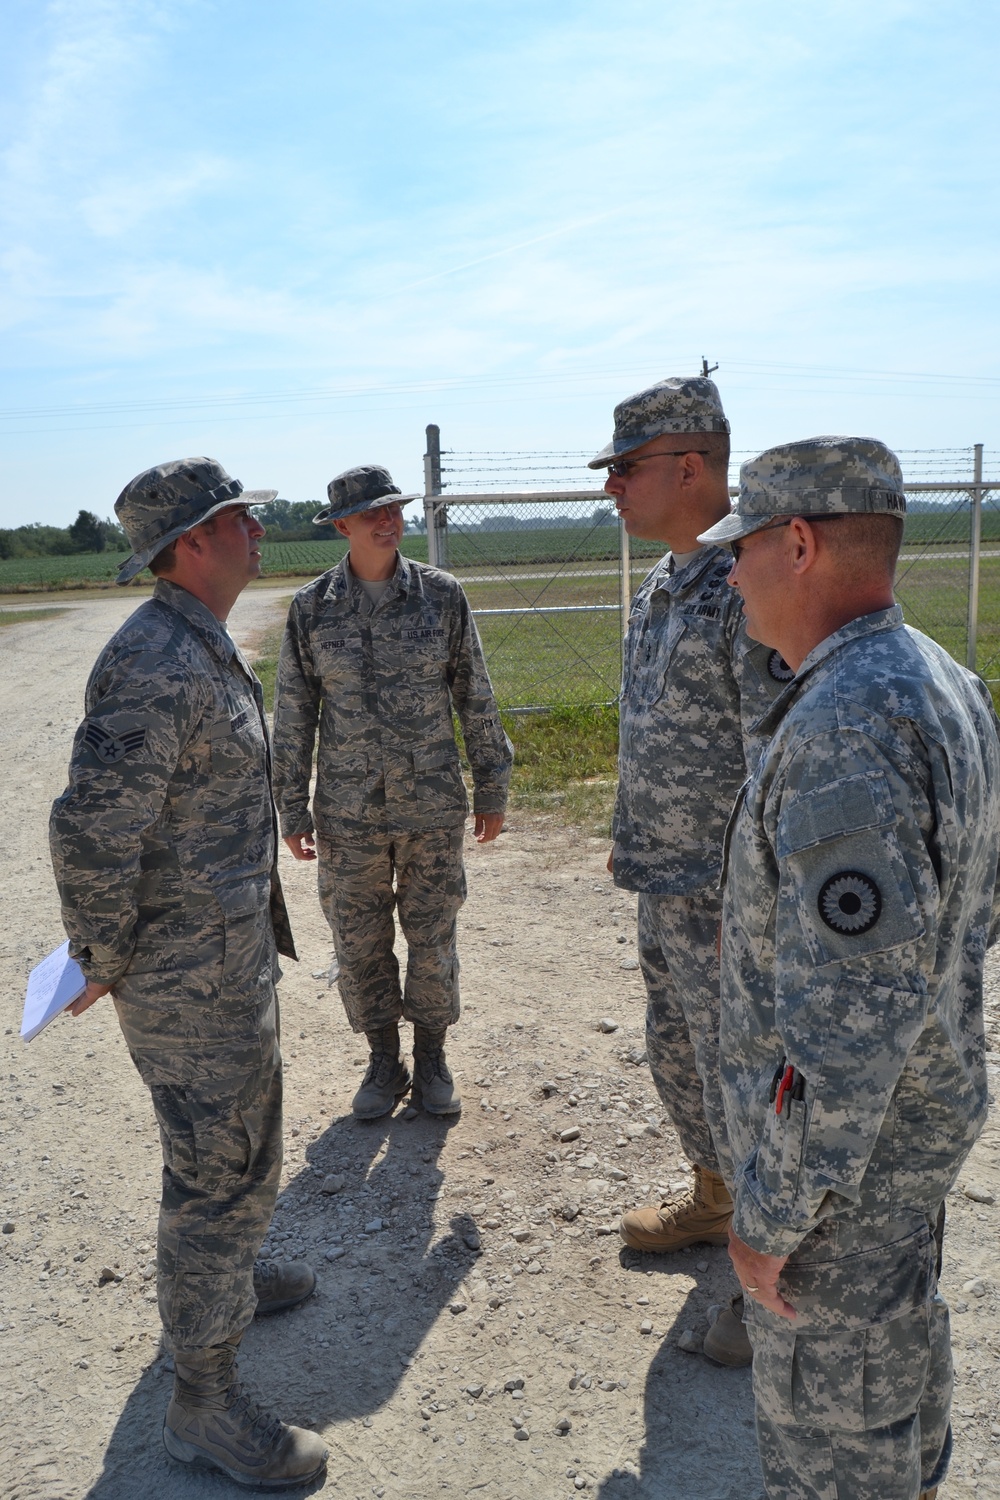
(477, 1331)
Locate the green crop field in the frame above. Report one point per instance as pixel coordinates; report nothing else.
(550, 648)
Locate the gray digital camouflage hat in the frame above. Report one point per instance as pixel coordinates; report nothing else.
(160, 504)
(684, 403)
(821, 476)
(367, 487)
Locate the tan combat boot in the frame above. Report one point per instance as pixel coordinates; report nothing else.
(387, 1078)
(700, 1216)
(727, 1342)
(213, 1423)
(433, 1084)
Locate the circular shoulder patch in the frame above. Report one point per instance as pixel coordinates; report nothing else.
(850, 903)
(778, 667)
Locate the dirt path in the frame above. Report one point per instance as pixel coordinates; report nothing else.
(453, 1261)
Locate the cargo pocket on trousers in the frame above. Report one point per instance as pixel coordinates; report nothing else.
(851, 1382)
(209, 1145)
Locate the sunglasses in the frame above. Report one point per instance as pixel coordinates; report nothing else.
(736, 545)
(624, 466)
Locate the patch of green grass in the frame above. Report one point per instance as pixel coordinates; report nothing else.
(566, 762)
(21, 616)
(264, 655)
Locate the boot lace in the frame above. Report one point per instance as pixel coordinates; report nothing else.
(262, 1428)
(433, 1065)
(381, 1067)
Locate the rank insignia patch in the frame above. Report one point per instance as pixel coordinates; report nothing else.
(111, 748)
(850, 903)
(778, 667)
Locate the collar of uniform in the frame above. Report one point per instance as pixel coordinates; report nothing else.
(676, 580)
(881, 621)
(197, 614)
(342, 580)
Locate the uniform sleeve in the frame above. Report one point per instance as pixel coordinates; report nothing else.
(762, 674)
(140, 712)
(855, 926)
(297, 699)
(490, 752)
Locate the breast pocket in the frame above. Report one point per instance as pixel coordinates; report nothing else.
(237, 744)
(655, 652)
(339, 660)
(423, 646)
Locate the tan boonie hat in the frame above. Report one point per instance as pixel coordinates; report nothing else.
(364, 488)
(684, 403)
(821, 476)
(160, 504)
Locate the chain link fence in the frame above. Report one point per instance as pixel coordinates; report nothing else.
(550, 571)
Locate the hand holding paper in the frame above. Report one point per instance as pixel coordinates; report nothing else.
(55, 983)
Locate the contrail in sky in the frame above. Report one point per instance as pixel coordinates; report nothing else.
(509, 250)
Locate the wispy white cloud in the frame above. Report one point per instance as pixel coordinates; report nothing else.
(194, 199)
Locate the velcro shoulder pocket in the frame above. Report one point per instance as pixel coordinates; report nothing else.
(849, 805)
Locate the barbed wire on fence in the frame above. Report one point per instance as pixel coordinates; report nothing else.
(550, 574)
(478, 469)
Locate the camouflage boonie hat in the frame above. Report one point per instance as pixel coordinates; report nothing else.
(365, 488)
(160, 504)
(821, 476)
(685, 403)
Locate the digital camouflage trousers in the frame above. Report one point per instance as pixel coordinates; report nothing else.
(679, 961)
(861, 1415)
(362, 882)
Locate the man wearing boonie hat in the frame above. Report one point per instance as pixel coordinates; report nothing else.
(692, 682)
(860, 896)
(164, 849)
(377, 654)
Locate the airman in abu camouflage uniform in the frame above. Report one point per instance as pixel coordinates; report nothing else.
(860, 898)
(164, 849)
(376, 655)
(692, 684)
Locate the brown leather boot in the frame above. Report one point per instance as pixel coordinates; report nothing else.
(212, 1422)
(699, 1216)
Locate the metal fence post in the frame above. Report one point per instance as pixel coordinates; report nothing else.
(975, 542)
(435, 514)
(626, 581)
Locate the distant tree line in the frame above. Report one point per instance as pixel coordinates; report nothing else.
(292, 520)
(88, 533)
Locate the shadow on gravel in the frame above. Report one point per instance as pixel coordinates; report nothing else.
(340, 1356)
(699, 1442)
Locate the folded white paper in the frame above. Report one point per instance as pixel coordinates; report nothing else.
(52, 985)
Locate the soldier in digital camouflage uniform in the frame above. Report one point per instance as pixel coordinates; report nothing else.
(860, 898)
(376, 655)
(693, 685)
(164, 849)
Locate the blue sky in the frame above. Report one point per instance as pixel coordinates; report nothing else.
(290, 236)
